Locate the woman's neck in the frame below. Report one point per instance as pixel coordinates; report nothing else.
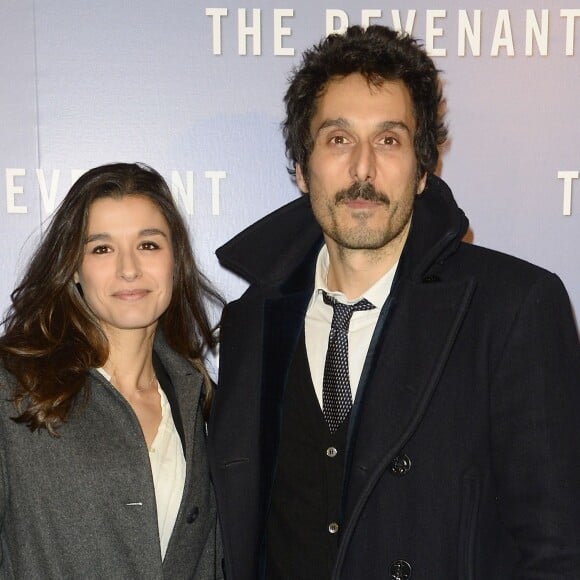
(130, 362)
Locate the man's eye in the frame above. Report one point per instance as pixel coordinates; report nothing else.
(389, 140)
(338, 140)
(149, 246)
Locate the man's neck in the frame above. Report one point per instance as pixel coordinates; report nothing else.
(353, 272)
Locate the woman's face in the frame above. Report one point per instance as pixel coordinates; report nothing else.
(126, 271)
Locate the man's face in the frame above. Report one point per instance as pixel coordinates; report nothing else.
(362, 173)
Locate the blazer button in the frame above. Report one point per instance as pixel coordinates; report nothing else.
(400, 570)
(401, 465)
(331, 452)
(192, 515)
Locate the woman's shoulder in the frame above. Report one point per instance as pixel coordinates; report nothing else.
(8, 384)
(7, 380)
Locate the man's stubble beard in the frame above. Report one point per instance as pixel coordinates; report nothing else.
(361, 236)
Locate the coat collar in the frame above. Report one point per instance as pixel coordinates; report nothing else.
(185, 379)
(268, 252)
(182, 385)
(437, 228)
(261, 253)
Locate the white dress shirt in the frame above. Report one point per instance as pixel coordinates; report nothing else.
(362, 324)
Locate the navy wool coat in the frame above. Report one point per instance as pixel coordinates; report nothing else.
(464, 440)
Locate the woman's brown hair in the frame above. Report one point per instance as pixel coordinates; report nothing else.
(52, 338)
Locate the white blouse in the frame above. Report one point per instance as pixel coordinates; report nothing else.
(168, 469)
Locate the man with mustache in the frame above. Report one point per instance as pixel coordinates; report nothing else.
(392, 402)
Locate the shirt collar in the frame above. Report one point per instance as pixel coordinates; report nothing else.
(377, 294)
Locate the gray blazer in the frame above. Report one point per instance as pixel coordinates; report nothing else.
(83, 505)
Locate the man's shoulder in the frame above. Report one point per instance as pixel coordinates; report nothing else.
(505, 277)
(490, 261)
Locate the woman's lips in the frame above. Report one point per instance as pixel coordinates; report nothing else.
(131, 295)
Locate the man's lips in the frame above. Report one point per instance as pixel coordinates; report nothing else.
(131, 295)
(360, 203)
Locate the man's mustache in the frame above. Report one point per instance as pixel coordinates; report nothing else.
(362, 190)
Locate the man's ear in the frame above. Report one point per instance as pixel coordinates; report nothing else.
(422, 183)
(301, 180)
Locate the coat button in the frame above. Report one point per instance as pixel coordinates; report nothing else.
(400, 570)
(192, 515)
(331, 452)
(401, 465)
(430, 279)
(333, 527)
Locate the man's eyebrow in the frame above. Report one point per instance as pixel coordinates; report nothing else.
(103, 236)
(342, 123)
(390, 125)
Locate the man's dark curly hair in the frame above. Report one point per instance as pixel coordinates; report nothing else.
(380, 54)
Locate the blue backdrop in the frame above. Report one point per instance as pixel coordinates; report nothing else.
(195, 90)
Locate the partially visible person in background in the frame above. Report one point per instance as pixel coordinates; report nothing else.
(103, 393)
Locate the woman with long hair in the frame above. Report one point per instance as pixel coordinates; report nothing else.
(103, 393)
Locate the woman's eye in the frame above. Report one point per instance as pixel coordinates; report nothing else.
(100, 250)
(149, 246)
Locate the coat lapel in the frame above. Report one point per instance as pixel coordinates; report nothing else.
(416, 339)
(185, 390)
(284, 320)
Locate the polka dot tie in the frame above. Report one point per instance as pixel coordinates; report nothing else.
(336, 394)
